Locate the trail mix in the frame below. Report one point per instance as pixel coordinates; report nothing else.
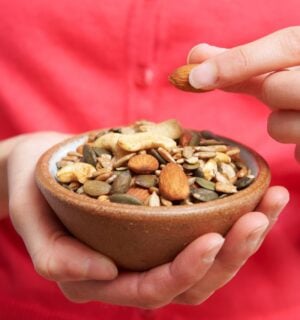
(154, 165)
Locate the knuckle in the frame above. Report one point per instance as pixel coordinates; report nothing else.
(290, 41)
(148, 298)
(229, 270)
(72, 293)
(242, 58)
(192, 298)
(45, 265)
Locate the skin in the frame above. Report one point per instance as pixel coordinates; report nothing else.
(267, 69)
(210, 261)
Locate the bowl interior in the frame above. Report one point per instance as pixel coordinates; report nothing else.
(62, 151)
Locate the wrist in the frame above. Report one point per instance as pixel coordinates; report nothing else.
(6, 146)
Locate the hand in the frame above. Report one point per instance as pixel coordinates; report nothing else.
(86, 275)
(265, 68)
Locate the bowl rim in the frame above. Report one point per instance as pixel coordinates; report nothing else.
(45, 181)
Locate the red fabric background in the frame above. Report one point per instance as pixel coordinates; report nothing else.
(72, 66)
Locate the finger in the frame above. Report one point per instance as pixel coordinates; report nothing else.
(55, 254)
(202, 52)
(297, 152)
(156, 287)
(241, 242)
(284, 126)
(273, 202)
(278, 90)
(275, 51)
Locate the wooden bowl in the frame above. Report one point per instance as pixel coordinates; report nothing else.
(141, 237)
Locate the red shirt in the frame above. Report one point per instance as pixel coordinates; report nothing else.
(73, 65)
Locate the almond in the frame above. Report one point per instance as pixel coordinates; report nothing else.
(140, 193)
(173, 183)
(180, 78)
(143, 163)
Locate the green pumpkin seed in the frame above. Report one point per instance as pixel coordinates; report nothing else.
(243, 182)
(194, 139)
(125, 198)
(156, 155)
(206, 184)
(95, 188)
(89, 155)
(188, 166)
(121, 183)
(199, 173)
(204, 195)
(146, 180)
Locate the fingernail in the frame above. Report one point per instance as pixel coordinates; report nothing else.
(204, 76)
(101, 269)
(210, 255)
(201, 46)
(255, 237)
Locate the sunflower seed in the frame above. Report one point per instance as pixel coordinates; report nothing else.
(165, 202)
(156, 155)
(205, 154)
(154, 200)
(222, 157)
(210, 168)
(123, 160)
(165, 154)
(100, 151)
(225, 187)
(103, 198)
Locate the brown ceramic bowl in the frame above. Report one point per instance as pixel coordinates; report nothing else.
(140, 237)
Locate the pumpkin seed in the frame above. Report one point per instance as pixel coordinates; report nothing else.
(192, 160)
(125, 198)
(199, 172)
(146, 180)
(188, 166)
(206, 184)
(188, 152)
(204, 195)
(89, 155)
(121, 183)
(156, 155)
(243, 182)
(96, 188)
(194, 139)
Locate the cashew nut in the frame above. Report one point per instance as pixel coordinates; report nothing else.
(78, 171)
(170, 128)
(145, 140)
(109, 141)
